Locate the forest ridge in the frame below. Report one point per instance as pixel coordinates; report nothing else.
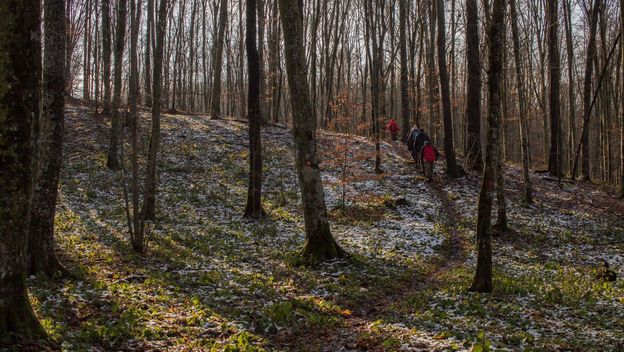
(288, 175)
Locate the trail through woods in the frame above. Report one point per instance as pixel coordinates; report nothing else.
(212, 279)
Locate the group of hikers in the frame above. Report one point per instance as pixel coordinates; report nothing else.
(419, 145)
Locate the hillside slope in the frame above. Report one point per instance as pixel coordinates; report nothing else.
(212, 279)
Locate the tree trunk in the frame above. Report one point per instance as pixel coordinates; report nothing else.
(19, 110)
(41, 257)
(522, 110)
(483, 277)
(113, 154)
(554, 76)
(452, 168)
(405, 98)
(622, 103)
(215, 101)
(254, 193)
(473, 93)
(320, 244)
(149, 38)
(149, 193)
(587, 89)
(136, 233)
(106, 56)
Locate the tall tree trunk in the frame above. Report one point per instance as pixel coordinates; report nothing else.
(215, 101)
(149, 193)
(136, 233)
(522, 110)
(41, 257)
(473, 90)
(554, 76)
(106, 56)
(86, 49)
(571, 92)
(452, 168)
(587, 89)
(483, 277)
(405, 98)
(622, 101)
(20, 97)
(149, 38)
(254, 192)
(320, 243)
(113, 154)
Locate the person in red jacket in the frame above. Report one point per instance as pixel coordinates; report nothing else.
(429, 155)
(393, 127)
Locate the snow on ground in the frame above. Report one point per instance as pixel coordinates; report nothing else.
(212, 279)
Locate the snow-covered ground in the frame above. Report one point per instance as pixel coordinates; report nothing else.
(212, 279)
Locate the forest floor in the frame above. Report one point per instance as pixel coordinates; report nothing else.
(214, 281)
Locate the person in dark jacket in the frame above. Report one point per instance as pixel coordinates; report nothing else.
(419, 142)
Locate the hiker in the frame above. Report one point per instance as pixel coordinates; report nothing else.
(409, 141)
(429, 155)
(393, 127)
(419, 142)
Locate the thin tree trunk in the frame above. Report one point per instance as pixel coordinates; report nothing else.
(405, 98)
(113, 154)
(19, 110)
(483, 277)
(254, 193)
(106, 56)
(522, 110)
(319, 244)
(149, 192)
(473, 93)
(215, 101)
(554, 76)
(587, 89)
(149, 38)
(452, 168)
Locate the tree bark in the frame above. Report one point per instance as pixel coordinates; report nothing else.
(483, 277)
(319, 244)
(149, 38)
(41, 256)
(20, 58)
(622, 103)
(113, 146)
(254, 192)
(106, 56)
(473, 93)
(149, 192)
(452, 168)
(522, 110)
(405, 98)
(587, 89)
(215, 101)
(554, 76)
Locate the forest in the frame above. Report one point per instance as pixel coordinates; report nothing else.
(311, 175)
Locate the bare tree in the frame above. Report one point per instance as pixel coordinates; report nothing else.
(554, 77)
(522, 110)
(473, 89)
(149, 195)
(215, 101)
(113, 146)
(254, 193)
(106, 56)
(483, 277)
(320, 243)
(41, 256)
(20, 96)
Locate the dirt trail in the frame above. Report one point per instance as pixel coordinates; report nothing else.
(386, 308)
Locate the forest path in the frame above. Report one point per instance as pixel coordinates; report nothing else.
(390, 307)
